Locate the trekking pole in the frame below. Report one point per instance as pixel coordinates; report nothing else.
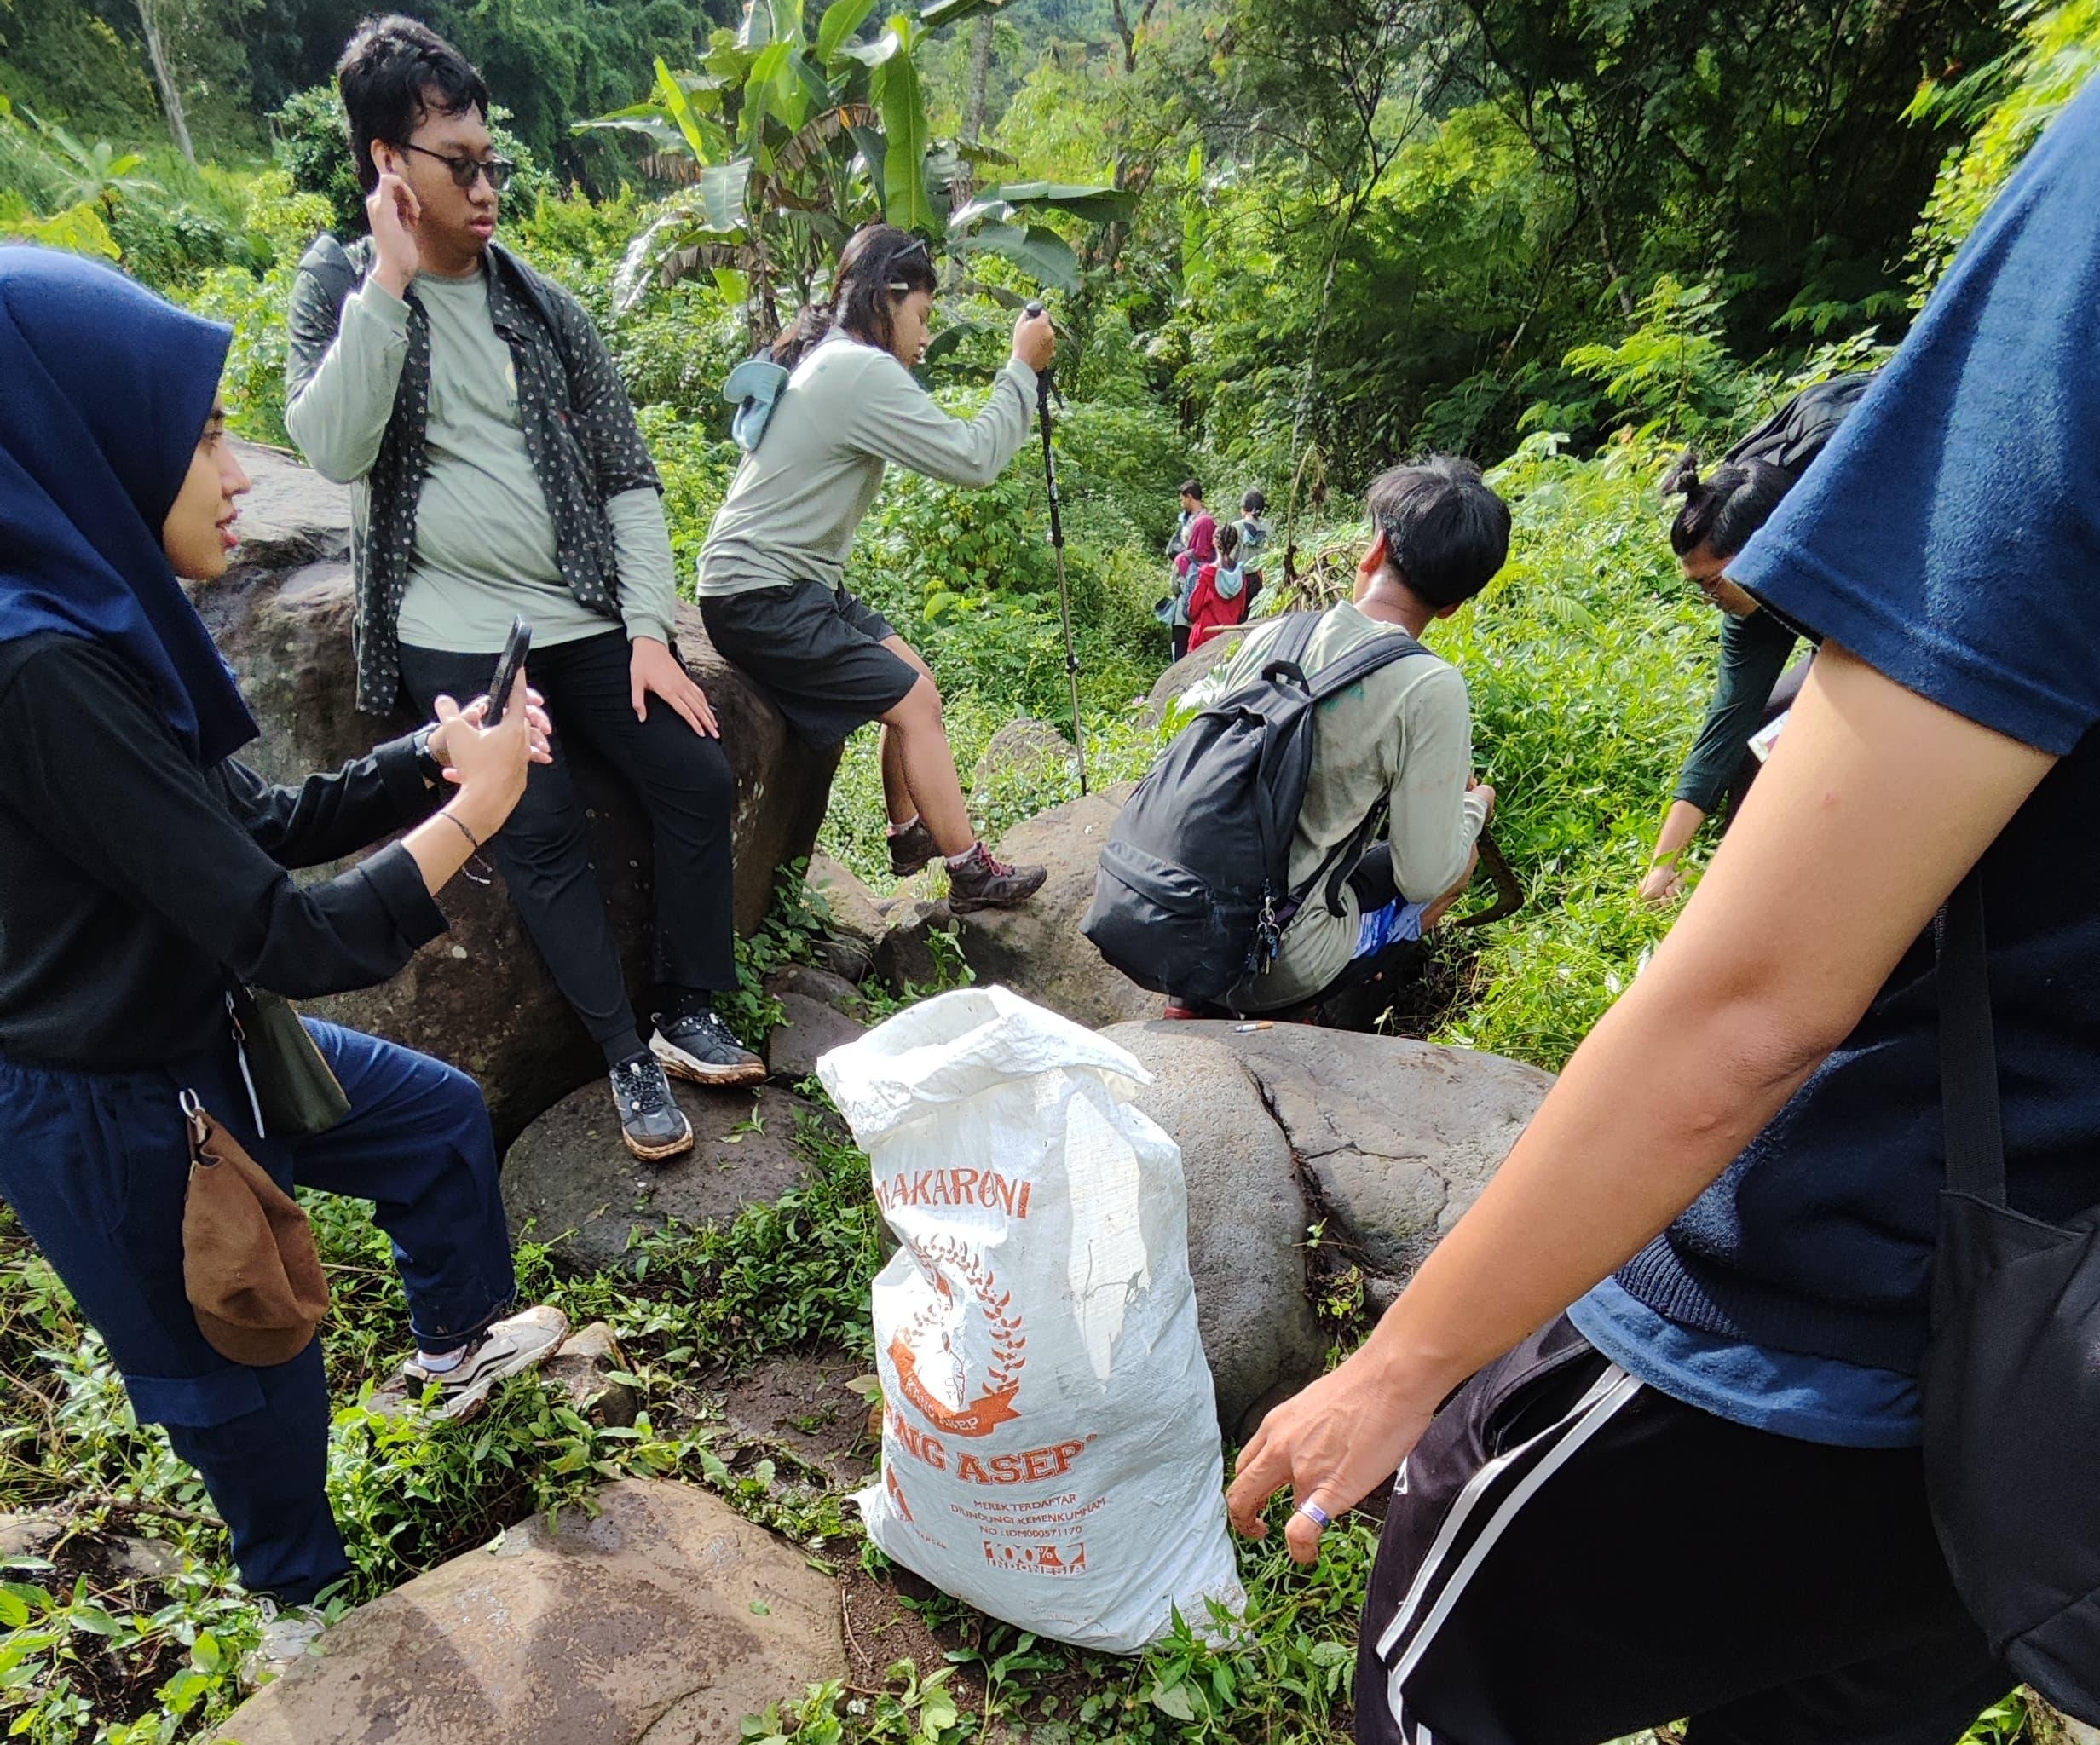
(1044, 387)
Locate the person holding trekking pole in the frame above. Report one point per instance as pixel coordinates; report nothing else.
(772, 575)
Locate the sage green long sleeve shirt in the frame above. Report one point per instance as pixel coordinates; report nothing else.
(485, 541)
(1403, 735)
(848, 410)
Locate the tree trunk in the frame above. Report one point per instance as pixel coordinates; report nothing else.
(980, 77)
(164, 78)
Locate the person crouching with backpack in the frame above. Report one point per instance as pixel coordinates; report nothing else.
(1398, 744)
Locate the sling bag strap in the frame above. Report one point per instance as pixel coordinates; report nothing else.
(1975, 1139)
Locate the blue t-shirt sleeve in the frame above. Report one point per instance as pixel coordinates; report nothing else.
(1949, 536)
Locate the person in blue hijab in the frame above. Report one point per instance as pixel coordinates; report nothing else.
(145, 886)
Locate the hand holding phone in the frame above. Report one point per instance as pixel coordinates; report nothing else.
(507, 664)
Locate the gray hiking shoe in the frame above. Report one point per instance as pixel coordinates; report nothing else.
(652, 1125)
(699, 1048)
(910, 849)
(982, 883)
(510, 1346)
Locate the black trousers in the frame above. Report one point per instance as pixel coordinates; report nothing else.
(1571, 1557)
(683, 780)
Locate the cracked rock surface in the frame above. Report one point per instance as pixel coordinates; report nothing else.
(664, 1620)
(1382, 1140)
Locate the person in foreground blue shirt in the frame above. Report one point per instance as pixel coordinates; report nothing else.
(1697, 1493)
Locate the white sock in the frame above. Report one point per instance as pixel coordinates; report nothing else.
(899, 829)
(443, 1365)
(965, 857)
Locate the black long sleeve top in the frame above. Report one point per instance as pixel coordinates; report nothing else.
(1753, 654)
(133, 884)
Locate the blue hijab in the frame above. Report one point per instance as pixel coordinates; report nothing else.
(104, 391)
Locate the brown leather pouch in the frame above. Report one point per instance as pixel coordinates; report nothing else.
(250, 1266)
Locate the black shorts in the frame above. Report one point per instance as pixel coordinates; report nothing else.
(1570, 1557)
(816, 651)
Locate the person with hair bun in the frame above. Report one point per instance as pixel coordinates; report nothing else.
(1754, 686)
(772, 576)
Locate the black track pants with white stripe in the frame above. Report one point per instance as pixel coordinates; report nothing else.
(1571, 1557)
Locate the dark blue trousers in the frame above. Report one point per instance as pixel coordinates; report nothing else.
(95, 1165)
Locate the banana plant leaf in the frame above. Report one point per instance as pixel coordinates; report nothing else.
(1093, 205)
(906, 131)
(836, 28)
(1039, 251)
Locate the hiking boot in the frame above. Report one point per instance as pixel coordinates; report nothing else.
(910, 849)
(652, 1125)
(510, 1346)
(699, 1048)
(982, 883)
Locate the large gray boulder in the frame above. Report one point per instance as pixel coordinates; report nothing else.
(479, 996)
(665, 1619)
(568, 1181)
(1198, 664)
(1036, 948)
(1246, 1218)
(1382, 1140)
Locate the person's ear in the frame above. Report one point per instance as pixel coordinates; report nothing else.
(1375, 555)
(384, 158)
(1450, 611)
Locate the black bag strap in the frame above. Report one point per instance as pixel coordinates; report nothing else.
(1287, 658)
(1969, 1106)
(1360, 663)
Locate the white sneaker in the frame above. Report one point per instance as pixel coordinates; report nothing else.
(291, 1636)
(511, 1346)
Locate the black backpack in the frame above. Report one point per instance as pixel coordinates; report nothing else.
(1192, 892)
(1797, 432)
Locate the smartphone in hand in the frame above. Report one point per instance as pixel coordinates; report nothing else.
(507, 664)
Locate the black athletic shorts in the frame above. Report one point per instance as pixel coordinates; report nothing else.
(1570, 1557)
(816, 651)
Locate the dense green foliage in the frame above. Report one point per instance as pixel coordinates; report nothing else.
(1568, 236)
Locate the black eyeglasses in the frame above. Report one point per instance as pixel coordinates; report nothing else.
(498, 171)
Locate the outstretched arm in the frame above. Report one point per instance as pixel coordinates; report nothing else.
(1892, 798)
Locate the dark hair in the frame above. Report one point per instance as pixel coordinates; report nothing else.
(877, 260)
(1227, 544)
(1253, 502)
(394, 74)
(1446, 533)
(1723, 510)
(1190, 488)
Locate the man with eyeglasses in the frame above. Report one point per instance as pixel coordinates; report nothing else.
(498, 472)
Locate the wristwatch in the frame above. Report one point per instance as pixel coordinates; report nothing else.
(426, 759)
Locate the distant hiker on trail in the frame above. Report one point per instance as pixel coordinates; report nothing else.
(1392, 754)
(1254, 534)
(1194, 545)
(772, 576)
(1754, 687)
(497, 472)
(1218, 601)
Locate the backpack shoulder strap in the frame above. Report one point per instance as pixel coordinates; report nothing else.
(1287, 652)
(1360, 663)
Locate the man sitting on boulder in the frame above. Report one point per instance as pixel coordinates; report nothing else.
(498, 473)
(1400, 742)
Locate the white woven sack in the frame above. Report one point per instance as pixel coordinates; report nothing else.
(1050, 1446)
